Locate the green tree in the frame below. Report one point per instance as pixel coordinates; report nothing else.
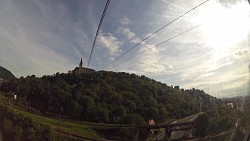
(202, 125)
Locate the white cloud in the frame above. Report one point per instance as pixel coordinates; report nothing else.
(129, 34)
(149, 60)
(229, 75)
(249, 67)
(150, 34)
(136, 40)
(244, 52)
(111, 43)
(41, 39)
(125, 21)
(33, 43)
(165, 1)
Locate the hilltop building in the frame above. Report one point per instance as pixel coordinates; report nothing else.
(82, 70)
(1, 81)
(230, 105)
(11, 96)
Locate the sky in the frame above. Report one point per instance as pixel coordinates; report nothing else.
(43, 37)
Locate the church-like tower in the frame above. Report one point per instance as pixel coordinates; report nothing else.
(82, 70)
(80, 64)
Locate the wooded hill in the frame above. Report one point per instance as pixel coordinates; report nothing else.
(111, 97)
(5, 74)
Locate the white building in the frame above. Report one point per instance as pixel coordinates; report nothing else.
(1, 80)
(230, 105)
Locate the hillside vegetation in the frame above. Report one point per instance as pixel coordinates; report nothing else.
(109, 97)
(16, 127)
(5, 74)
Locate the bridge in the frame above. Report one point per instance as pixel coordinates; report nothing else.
(172, 130)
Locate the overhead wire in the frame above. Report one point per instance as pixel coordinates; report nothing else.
(98, 29)
(155, 33)
(171, 38)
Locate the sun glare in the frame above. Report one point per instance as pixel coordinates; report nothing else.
(224, 26)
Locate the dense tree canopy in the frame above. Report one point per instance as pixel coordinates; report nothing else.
(111, 97)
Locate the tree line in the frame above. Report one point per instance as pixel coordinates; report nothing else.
(110, 97)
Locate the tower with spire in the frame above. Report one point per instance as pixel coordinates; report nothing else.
(82, 70)
(80, 64)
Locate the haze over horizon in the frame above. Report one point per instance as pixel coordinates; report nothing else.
(45, 37)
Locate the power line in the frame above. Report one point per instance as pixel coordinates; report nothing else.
(97, 32)
(156, 32)
(160, 43)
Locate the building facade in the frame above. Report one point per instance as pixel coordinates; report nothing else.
(82, 70)
(1, 81)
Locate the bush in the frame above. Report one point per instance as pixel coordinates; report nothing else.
(202, 125)
(17, 127)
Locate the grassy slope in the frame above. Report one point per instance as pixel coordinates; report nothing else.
(67, 126)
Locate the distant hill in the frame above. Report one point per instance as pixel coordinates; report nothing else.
(5, 74)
